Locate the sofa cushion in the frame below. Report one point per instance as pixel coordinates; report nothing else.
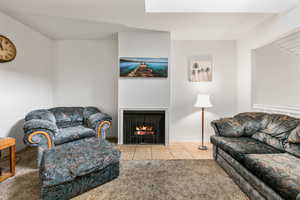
(73, 133)
(228, 127)
(251, 121)
(276, 129)
(68, 116)
(280, 171)
(66, 162)
(250, 116)
(275, 142)
(293, 149)
(276, 124)
(238, 147)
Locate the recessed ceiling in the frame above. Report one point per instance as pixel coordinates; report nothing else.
(60, 28)
(220, 6)
(290, 43)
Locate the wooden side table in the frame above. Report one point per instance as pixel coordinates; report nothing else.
(11, 144)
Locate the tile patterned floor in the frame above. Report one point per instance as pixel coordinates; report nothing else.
(185, 150)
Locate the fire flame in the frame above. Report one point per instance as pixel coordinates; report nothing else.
(144, 130)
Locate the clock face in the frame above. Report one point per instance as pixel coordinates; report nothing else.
(8, 50)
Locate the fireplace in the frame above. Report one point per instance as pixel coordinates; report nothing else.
(144, 127)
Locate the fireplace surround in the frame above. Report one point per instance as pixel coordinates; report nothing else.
(143, 127)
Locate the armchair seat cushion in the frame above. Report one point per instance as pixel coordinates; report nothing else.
(73, 133)
(280, 171)
(239, 147)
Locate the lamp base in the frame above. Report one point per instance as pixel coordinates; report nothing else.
(202, 147)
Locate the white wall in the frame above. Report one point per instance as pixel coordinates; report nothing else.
(185, 118)
(144, 92)
(25, 83)
(86, 75)
(263, 34)
(276, 77)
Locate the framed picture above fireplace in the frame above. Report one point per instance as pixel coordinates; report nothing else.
(143, 67)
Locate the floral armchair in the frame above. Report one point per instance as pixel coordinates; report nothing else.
(47, 128)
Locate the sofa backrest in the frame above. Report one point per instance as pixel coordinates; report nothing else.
(68, 116)
(272, 129)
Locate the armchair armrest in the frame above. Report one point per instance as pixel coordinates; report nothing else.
(39, 132)
(228, 127)
(100, 122)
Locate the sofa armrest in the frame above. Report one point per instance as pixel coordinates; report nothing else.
(100, 122)
(39, 132)
(228, 127)
(213, 124)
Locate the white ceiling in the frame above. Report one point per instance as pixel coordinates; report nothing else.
(221, 6)
(97, 19)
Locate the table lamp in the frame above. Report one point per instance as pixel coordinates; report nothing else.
(203, 101)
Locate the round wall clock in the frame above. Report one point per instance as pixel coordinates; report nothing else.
(8, 50)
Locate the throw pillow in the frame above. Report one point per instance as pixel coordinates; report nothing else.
(229, 127)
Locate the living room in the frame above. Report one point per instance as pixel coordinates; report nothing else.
(136, 88)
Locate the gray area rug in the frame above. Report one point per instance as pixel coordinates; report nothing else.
(145, 180)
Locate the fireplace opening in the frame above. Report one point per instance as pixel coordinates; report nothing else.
(144, 127)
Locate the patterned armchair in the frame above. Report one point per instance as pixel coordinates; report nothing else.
(47, 128)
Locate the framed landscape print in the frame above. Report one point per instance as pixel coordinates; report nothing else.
(143, 67)
(200, 68)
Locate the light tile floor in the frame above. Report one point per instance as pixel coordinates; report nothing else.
(185, 150)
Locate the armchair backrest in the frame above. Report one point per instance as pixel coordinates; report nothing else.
(64, 117)
(72, 116)
(68, 116)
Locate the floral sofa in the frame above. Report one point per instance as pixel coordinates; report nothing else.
(47, 128)
(261, 152)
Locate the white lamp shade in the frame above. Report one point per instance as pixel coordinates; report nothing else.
(203, 101)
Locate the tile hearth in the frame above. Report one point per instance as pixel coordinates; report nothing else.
(185, 150)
